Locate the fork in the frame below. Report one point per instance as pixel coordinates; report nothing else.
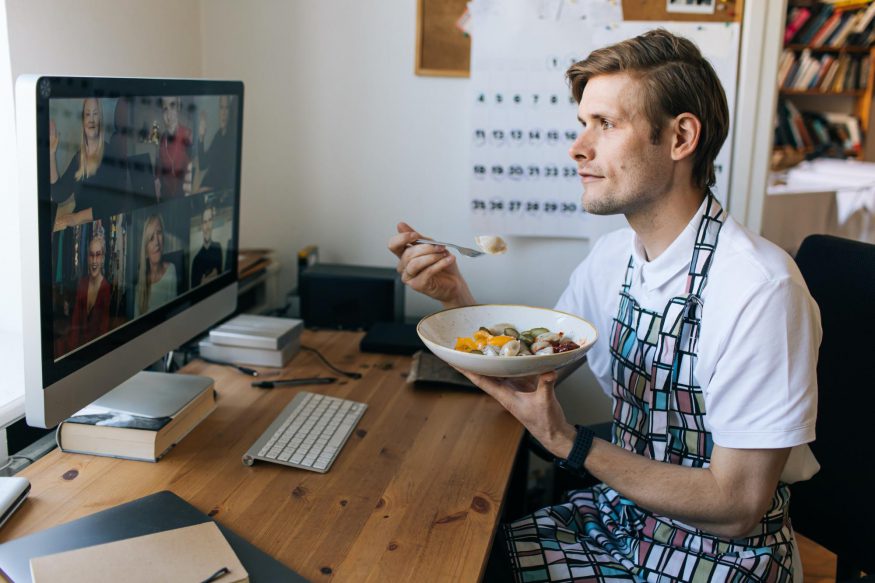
(466, 251)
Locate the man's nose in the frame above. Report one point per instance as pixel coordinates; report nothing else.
(582, 147)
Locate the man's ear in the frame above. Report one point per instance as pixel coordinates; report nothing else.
(686, 129)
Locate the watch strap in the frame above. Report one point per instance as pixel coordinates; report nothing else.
(579, 451)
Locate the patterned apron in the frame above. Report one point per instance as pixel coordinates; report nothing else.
(659, 412)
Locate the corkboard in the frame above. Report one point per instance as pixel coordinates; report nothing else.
(441, 48)
(725, 11)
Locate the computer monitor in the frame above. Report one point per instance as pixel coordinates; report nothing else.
(130, 205)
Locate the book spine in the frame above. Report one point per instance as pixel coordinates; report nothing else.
(800, 17)
(826, 30)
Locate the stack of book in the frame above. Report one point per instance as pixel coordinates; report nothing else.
(827, 72)
(832, 23)
(832, 133)
(254, 340)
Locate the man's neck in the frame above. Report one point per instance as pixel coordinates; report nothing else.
(658, 225)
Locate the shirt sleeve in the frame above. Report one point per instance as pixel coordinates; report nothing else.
(763, 390)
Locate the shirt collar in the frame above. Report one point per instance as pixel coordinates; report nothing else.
(654, 274)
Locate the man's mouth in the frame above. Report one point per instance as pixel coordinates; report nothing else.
(589, 177)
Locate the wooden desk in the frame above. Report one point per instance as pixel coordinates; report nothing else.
(416, 491)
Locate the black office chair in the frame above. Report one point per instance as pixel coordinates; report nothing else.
(835, 508)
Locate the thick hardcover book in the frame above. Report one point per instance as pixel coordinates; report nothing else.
(251, 331)
(99, 431)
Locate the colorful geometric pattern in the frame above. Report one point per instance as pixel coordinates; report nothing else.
(601, 536)
(659, 412)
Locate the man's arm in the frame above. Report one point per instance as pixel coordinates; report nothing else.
(727, 499)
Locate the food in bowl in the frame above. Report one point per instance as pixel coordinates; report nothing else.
(506, 340)
(440, 330)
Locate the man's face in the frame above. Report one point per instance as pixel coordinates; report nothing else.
(622, 171)
(170, 109)
(207, 226)
(95, 258)
(224, 112)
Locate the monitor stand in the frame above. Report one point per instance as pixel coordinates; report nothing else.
(154, 394)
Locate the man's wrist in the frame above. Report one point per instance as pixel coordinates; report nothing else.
(463, 297)
(562, 441)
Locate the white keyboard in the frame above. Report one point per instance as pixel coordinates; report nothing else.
(308, 434)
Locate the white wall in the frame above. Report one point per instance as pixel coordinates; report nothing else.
(342, 140)
(105, 37)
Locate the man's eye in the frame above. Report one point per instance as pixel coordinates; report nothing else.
(606, 125)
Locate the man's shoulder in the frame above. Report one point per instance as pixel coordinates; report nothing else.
(746, 268)
(748, 257)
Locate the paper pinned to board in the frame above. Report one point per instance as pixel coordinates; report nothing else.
(191, 553)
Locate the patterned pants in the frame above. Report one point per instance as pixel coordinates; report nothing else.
(601, 536)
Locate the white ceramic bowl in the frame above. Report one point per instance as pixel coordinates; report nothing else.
(440, 330)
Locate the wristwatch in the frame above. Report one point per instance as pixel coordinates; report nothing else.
(579, 451)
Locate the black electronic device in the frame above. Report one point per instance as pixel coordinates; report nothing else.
(349, 297)
(392, 338)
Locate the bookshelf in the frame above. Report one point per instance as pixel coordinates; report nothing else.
(825, 78)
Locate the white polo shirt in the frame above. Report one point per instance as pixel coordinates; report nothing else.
(759, 337)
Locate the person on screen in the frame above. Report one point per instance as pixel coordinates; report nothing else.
(90, 318)
(88, 183)
(207, 263)
(174, 152)
(217, 163)
(157, 282)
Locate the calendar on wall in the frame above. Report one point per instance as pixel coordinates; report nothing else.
(524, 119)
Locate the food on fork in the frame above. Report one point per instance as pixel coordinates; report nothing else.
(491, 244)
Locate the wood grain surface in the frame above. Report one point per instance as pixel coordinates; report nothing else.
(416, 490)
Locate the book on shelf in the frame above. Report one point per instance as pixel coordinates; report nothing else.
(190, 553)
(252, 356)
(826, 30)
(100, 431)
(251, 331)
(799, 15)
(865, 21)
(814, 24)
(832, 134)
(840, 36)
(848, 128)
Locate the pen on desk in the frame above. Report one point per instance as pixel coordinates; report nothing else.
(217, 575)
(294, 382)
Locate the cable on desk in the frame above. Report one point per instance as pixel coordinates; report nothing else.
(352, 375)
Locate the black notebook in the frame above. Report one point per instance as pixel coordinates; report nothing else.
(150, 514)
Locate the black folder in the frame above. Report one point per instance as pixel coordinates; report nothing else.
(155, 513)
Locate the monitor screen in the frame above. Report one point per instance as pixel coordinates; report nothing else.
(137, 197)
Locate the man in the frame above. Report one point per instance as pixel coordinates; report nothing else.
(174, 151)
(708, 345)
(207, 263)
(217, 163)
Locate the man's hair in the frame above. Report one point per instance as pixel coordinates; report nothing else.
(675, 78)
